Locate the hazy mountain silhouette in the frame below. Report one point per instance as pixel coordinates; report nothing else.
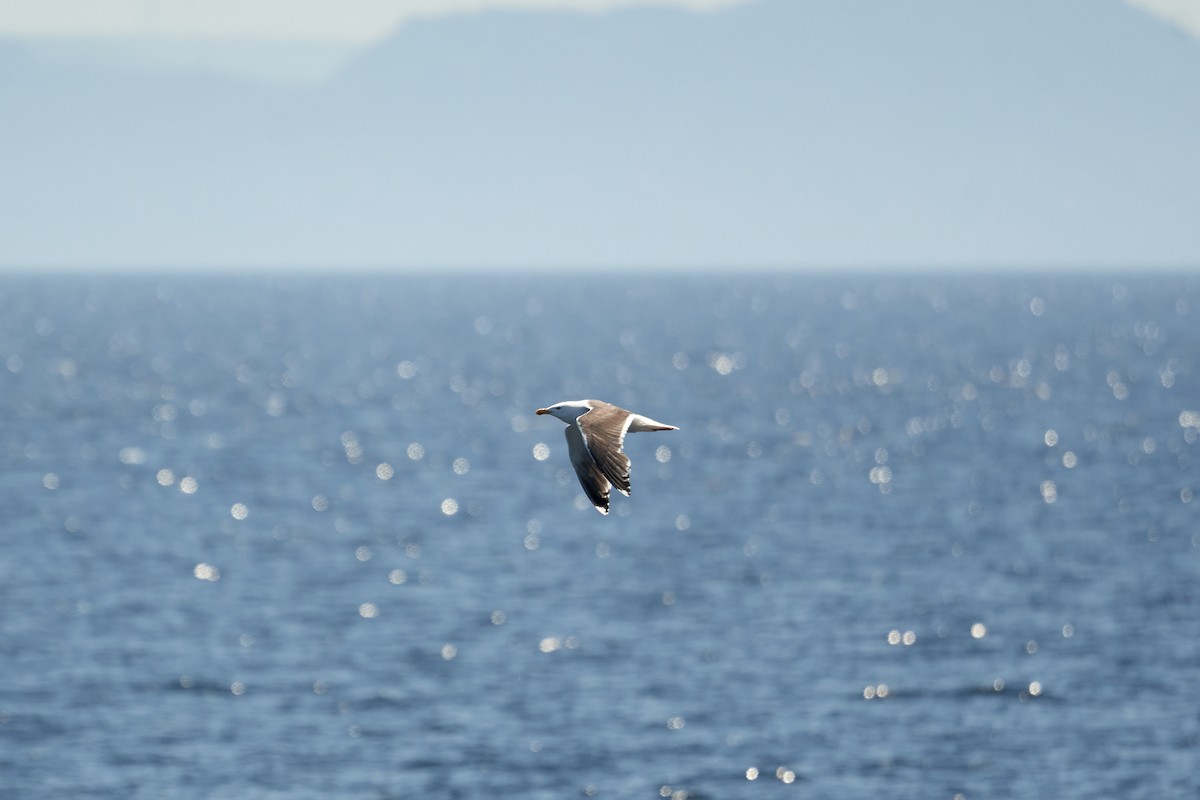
(772, 133)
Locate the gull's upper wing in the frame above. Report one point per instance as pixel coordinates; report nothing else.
(604, 434)
(591, 477)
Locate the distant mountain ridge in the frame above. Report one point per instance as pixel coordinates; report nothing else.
(775, 133)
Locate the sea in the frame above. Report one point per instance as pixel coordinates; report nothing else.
(929, 535)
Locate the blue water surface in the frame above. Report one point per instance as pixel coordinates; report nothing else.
(303, 537)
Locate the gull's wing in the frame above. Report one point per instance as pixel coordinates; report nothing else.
(604, 433)
(591, 477)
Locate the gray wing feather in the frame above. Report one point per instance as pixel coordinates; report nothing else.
(604, 435)
(591, 477)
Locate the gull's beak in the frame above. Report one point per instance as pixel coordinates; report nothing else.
(543, 411)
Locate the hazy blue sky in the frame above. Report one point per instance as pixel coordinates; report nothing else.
(523, 133)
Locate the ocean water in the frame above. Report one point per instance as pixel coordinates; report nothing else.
(303, 537)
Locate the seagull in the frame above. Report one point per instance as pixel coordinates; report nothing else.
(595, 433)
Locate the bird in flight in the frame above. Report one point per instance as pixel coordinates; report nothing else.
(595, 435)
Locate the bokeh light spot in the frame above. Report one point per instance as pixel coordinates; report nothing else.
(132, 456)
(206, 572)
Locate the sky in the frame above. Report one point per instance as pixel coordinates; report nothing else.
(164, 134)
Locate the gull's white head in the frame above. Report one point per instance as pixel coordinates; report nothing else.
(568, 411)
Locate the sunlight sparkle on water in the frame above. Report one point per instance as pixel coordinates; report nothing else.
(880, 476)
(239, 511)
(132, 456)
(206, 572)
(276, 404)
(879, 690)
(384, 471)
(352, 446)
